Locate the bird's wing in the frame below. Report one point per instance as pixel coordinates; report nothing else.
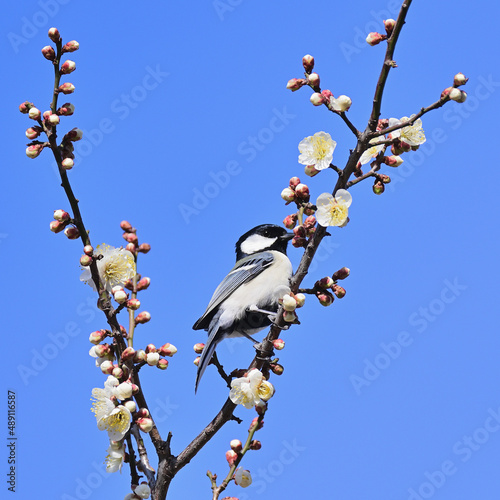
(244, 270)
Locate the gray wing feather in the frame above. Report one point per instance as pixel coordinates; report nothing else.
(245, 270)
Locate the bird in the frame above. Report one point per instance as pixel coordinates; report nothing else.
(246, 301)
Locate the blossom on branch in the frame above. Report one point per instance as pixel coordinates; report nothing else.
(371, 152)
(317, 150)
(242, 477)
(333, 211)
(115, 457)
(115, 267)
(251, 389)
(412, 134)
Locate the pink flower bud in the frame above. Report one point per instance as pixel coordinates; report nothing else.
(140, 355)
(143, 283)
(131, 238)
(231, 457)
(97, 337)
(162, 364)
(302, 191)
(308, 63)
(33, 132)
(290, 221)
(299, 242)
(49, 53)
(384, 178)
(311, 171)
(236, 445)
(375, 38)
(120, 296)
(106, 367)
(324, 283)
(255, 445)
(46, 114)
(143, 412)
(152, 358)
(66, 88)
(168, 350)
(85, 260)
(102, 350)
(317, 99)
(327, 94)
(57, 226)
(53, 119)
(300, 232)
(393, 161)
(341, 274)
(338, 291)
(144, 247)
(133, 304)
(70, 46)
(446, 92)
(126, 226)
(290, 316)
(34, 150)
(74, 135)
(66, 109)
(72, 233)
(313, 79)
(25, 107)
(310, 222)
(295, 84)
(389, 26)
(279, 344)
(54, 34)
(378, 187)
(88, 249)
(294, 181)
(150, 348)
(325, 298)
(254, 423)
(276, 368)
(198, 348)
(67, 164)
(128, 353)
(460, 79)
(458, 95)
(288, 194)
(196, 361)
(34, 113)
(130, 247)
(145, 424)
(117, 372)
(300, 298)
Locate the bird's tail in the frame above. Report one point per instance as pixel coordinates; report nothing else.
(214, 337)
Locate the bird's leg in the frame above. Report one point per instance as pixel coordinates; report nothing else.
(270, 314)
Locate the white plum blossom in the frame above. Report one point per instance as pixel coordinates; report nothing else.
(115, 267)
(143, 491)
(412, 134)
(333, 211)
(242, 477)
(371, 152)
(317, 150)
(115, 457)
(251, 389)
(341, 103)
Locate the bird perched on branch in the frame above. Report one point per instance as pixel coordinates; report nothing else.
(246, 301)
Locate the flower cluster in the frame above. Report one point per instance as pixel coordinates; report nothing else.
(251, 389)
(290, 302)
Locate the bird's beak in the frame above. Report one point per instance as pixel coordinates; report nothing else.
(287, 236)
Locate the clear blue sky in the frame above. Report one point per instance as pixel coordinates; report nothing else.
(171, 97)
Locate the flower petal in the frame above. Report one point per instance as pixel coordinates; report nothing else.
(343, 197)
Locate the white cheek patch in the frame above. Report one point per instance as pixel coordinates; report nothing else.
(256, 243)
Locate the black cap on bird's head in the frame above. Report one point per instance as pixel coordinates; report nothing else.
(262, 238)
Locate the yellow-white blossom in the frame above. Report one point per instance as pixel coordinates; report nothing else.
(371, 152)
(333, 211)
(251, 390)
(115, 457)
(242, 477)
(412, 134)
(115, 267)
(317, 150)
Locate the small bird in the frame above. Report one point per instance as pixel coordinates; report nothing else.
(247, 299)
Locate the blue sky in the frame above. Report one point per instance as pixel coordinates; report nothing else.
(393, 392)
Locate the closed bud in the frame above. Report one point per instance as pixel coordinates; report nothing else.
(130, 247)
(311, 170)
(152, 358)
(106, 367)
(145, 424)
(143, 412)
(102, 350)
(120, 296)
(325, 298)
(54, 34)
(276, 368)
(300, 298)
(375, 38)
(342, 103)
(290, 221)
(66, 109)
(142, 317)
(150, 348)
(139, 356)
(57, 226)
(130, 405)
(144, 247)
(278, 344)
(126, 226)
(72, 233)
(61, 215)
(133, 304)
(310, 222)
(294, 181)
(446, 92)
(396, 148)
(66, 88)
(405, 146)
(53, 119)
(255, 424)
(88, 250)
(97, 337)
(460, 79)
(327, 94)
(85, 260)
(384, 178)
(198, 348)
(34, 113)
(308, 63)
(162, 364)
(299, 242)
(196, 361)
(255, 445)
(143, 283)
(393, 161)
(168, 350)
(389, 26)
(49, 53)
(25, 107)
(302, 191)
(34, 150)
(313, 79)
(70, 46)
(288, 194)
(338, 291)
(67, 163)
(236, 445)
(325, 283)
(378, 187)
(289, 303)
(300, 232)
(295, 84)
(317, 99)
(74, 135)
(290, 316)
(231, 457)
(128, 353)
(458, 95)
(131, 238)
(117, 372)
